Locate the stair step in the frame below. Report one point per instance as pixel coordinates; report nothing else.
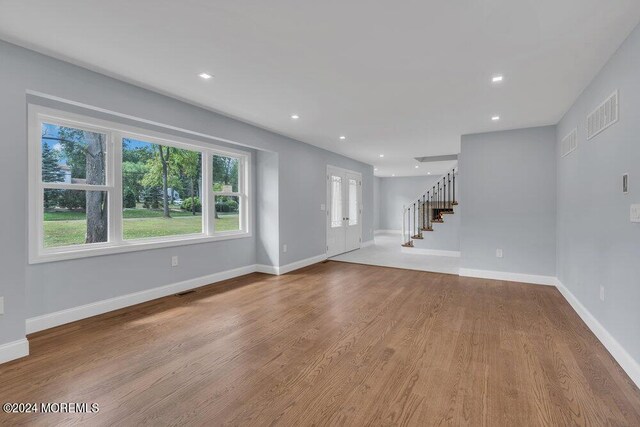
(447, 212)
(408, 245)
(417, 236)
(427, 229)
(439, 221)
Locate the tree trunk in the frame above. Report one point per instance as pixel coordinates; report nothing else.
(165, 179)
(96, 201)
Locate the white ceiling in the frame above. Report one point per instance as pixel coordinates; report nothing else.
(404, 78)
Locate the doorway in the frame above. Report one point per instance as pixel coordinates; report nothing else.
(344, 210)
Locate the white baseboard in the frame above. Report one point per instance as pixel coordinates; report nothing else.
(387, 232)
(14, 350)
(267, 269)
(624, 359)
(58, 318)
(284, 269)
(511, 277)
(46, 321)
(436, 252)
(367, 243)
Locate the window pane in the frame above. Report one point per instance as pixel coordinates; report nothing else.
(227, 213)
(73, 156)
(74, 217)
(336, 201)
(353, 202)
(225, 174)
(161, 190)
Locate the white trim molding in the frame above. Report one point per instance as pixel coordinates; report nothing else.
(284, 269)
(624, 359)
(58, 318)
(267, 269)
(46, 321)
(436, 252)
(14, 350)
(510, 277)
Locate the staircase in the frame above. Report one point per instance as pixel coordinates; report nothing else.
(432, 207)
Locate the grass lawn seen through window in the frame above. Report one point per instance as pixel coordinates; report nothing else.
(64, 228)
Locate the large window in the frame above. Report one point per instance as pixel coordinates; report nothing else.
(161, 190)
(98, 187)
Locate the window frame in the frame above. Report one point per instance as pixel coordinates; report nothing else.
(241, 195)
(115, 132)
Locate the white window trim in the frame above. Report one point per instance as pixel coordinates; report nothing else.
(116, 244)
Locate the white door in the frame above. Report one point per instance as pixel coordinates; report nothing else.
(344, 211)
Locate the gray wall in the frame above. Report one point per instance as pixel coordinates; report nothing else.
(267, 210)
(507, 185)
(597, 243)
(376, 203)
(396, 192)
(32, 290)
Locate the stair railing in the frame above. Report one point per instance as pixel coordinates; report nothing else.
(420, 214)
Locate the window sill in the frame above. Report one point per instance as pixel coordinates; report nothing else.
(129, 246)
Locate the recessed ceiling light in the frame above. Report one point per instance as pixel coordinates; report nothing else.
(495, 118)
(393, 174)
(375, 169)
(428, 173)
(381, 155)
(343, 137)
(295, 116)
(497, 79)
(205, 76)
(417, 166)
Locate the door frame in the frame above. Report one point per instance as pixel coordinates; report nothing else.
(328, 198)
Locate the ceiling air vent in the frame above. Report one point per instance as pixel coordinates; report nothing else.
(603, 116)
(569, 142)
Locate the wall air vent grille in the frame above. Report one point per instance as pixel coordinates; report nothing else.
(569, 143)
(604, 116)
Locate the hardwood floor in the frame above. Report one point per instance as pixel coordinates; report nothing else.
(333, 343)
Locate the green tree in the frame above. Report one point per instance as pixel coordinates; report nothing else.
(129, 199)
(51, 172)
(189, 164)
(162, 172)
(132, 176)
(225, 172)
(74, 148)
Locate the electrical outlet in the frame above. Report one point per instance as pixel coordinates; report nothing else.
(498, 253)
(284, 248)
(174, 261)
(601, 293)
(1, 305)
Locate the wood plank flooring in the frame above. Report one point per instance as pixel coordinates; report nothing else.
(331, 344)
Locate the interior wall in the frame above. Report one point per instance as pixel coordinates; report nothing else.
(376, 203)
(394, 193)
(597, 243)
(32, 290)
(507, 182)
(267, 212)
